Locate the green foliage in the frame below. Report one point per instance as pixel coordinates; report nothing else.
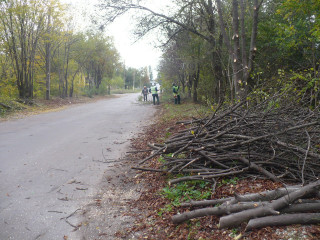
(302, 24)
(10, 105)
(80, 62)
(195, 190)
(234, 232)
(117, 82)
(229, 181)
(166, 208)
(161, 159)
(140, 98)
(90, 92)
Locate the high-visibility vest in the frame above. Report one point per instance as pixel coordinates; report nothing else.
(175, 90)
(154, 90)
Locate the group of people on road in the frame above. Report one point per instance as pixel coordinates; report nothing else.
(154, 92)
(155, 97)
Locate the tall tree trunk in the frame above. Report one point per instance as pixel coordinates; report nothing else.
(243, 41)
(72, 83)
(48, 57)
(189, 85)
(216, 63)
(195, 84)
(237, 76)
(253, 42)
(67, 50)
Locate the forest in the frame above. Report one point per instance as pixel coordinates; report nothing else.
(44, 55)
(216, 51)
(224, 50)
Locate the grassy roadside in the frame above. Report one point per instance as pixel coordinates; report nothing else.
(160, 201)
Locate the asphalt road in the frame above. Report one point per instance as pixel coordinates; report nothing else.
(51, 164)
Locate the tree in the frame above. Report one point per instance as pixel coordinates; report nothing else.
(300, 30)
(48, 56)
(242, 66)
(102, 59)
(23, 23)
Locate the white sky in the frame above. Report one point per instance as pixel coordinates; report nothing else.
(137, 55)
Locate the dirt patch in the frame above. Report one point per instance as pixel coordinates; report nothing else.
(108, 214)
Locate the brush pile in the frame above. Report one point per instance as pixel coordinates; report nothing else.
(277, 141)
(280, 143)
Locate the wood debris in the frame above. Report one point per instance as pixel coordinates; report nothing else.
(273, 139)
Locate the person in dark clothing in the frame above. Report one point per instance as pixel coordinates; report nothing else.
(145, 93)
(176, 94)
(154, 92)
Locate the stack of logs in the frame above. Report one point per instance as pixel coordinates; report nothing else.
(279, 142)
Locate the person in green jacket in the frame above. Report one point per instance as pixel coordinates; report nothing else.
(154, 92)
(176, 94)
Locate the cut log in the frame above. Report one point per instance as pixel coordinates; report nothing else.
(302, 207)
(263, 196)
(284, 220)
(217, 211)
(269, 209)
(250, 197)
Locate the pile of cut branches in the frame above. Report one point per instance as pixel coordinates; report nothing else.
(274, 139)
(281, 143)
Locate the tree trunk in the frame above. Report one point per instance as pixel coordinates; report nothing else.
(190, 81)
(67, 50)
(216, 52)
(48, 58)
(253, 42)
(195, 84)
(236, 62)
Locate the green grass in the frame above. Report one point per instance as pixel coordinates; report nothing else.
(195, 190)
(184, 111)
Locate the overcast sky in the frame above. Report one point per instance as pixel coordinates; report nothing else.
(134, 54)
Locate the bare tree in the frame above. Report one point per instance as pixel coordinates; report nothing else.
(242, 67)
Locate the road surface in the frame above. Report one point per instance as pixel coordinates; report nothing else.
(51, 164)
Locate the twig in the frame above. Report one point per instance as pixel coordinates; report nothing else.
(305, 158)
